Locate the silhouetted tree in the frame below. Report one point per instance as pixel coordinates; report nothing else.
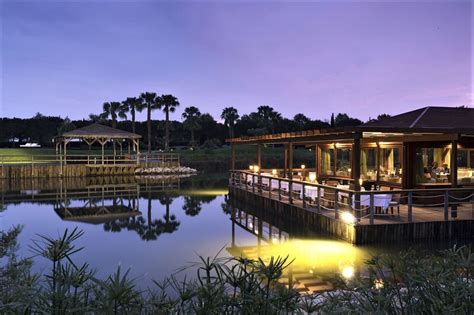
(191, 116)
(151, 102)
(230, 116)
(169, 104)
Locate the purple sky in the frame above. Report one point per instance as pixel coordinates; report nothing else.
(362, 58)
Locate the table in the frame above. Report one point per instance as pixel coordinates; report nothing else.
(380, 200)
(311, 192)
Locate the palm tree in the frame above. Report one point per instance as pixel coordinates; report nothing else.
(268, 116)
(230, 116)
(192, 206)
(151, 102)
(132, 105)
(169, 104)
(191, 117)
(114, 110)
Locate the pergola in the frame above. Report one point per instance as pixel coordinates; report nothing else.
(100, 134)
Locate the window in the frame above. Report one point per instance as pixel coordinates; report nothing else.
(465, 160)
(343, 162)
(432, 165)
(368, 164)
(391, 165)
(327, 161)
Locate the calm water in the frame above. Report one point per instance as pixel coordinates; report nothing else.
(155, 226)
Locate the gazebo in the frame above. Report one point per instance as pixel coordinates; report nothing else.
(97, 133)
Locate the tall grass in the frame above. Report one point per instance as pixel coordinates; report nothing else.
(403, 284)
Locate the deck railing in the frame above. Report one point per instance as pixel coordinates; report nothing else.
(143, 159)
(366, 207)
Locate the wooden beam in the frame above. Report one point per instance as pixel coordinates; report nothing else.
(356, 163)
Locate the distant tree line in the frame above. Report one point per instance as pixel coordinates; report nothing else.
(196, 129)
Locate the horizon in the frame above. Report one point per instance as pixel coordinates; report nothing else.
(346, 57)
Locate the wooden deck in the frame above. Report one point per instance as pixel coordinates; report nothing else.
(427, 223)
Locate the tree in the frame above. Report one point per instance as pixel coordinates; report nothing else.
(132, 105)
(343, 120)
(114, 110)
(67, 125)
(332, 121)
(169, 104)
(268, 117)
(151, 102)
(191, 116)
(230, 116)
(301, 121)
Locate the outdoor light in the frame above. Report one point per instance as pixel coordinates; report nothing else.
(349, 170)
(312, 177)
(251, 167)
(256, 168)
(378, 284)
(274, 172)
(303, 166)
(348, 217)
(361, 181)
(348, 272)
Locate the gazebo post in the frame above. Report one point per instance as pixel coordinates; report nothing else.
(115, 153)
(65, 152)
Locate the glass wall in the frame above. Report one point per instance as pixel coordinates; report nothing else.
(391, 165)
(465, 166)
(327, 161)
(343, 162)
(432, 165)
(368, 164)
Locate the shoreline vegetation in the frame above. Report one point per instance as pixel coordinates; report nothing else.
(408, 283)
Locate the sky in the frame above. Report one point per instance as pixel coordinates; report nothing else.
(361, 58)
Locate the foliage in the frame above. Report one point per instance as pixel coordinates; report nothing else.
(404, 284)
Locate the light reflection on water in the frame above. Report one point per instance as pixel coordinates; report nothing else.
(155, 226)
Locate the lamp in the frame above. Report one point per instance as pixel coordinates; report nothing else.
(303, 166)
(348, 217)
(251, 167)
(274, 172)
(312, 177)
(360, 181)
(256, 168)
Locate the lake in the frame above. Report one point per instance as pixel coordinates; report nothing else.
(156, 225)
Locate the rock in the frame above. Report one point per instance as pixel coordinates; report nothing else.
(165, 170)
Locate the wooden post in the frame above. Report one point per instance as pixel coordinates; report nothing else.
(65, 153)
(290, 160)
(410, 207)
(316, 160)
(232, 149)
(454, 174)
(285, 166)
(356, 172)
(102, 144)
(259, 158)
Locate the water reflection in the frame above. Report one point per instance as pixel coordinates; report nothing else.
(318, 263)
(138, 221)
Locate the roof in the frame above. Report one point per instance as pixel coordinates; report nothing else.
(100, 131)
(428, 120)
(450, 119)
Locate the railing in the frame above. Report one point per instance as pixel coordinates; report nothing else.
(143, 159)
(362, 207)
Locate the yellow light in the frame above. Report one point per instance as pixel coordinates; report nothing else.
(349, 170)
(251, 167)
(312, 177)
(348, 217)
(256, 168)
(274, 172)
(361, 181)
(348, 272)
(303, 166)
(378, 283)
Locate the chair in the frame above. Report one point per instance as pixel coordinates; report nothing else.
(395, 202)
